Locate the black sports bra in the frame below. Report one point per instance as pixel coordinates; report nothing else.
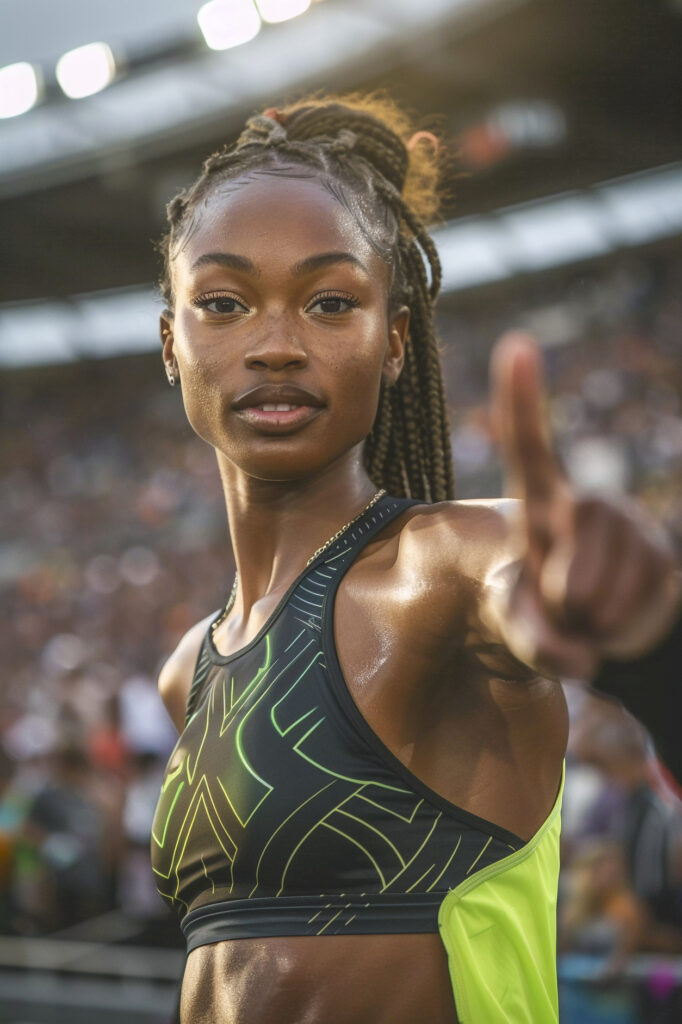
(281, 811)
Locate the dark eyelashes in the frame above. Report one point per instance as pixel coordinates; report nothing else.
(203, 301)
(341, 296)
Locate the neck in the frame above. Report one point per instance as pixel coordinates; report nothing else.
(275, 526)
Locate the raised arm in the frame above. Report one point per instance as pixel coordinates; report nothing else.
(593, 578)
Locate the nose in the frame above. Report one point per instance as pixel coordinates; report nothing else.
(275, 350)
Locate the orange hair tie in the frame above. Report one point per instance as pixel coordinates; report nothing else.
(427, 136)
(275, 115)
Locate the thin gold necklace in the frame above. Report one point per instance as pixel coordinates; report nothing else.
(233, 593)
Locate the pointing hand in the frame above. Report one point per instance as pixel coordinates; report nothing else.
(596, 578)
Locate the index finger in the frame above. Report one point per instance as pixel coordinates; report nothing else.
(518, 408)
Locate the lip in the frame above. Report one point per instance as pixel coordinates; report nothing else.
(277, 394)
(281, 422)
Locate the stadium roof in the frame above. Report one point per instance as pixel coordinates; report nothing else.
(512, 242)
(538, 101)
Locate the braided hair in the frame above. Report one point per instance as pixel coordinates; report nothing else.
(356, 146)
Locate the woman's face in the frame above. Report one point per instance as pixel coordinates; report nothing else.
(277, 288)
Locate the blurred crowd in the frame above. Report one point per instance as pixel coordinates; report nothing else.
(621, 881)
(613, 352)
(114, 541)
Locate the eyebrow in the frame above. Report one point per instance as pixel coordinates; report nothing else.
(226, 259)
(307, 266)
(326, 259)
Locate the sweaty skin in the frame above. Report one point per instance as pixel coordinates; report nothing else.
(275, 283)
(491, 745)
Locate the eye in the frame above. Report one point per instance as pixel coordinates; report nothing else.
(224, 304)
(332, 303)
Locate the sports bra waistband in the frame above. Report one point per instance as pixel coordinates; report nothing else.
(341, 914)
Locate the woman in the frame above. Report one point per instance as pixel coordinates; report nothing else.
(360, 819)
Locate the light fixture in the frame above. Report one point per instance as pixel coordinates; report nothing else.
(86, 70)
(281, 10)
(19, 89)
(226, 23)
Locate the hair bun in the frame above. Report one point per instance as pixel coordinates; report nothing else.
(375, 141)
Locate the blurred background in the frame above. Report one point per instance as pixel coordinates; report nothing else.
(563, 146)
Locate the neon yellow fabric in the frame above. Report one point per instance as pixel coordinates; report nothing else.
(499, 930)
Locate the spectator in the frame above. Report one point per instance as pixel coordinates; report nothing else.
(630, 811)
(601, 914)
(70, 826)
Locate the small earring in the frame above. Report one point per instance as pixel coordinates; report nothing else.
(171, 380)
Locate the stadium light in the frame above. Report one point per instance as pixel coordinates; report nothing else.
(281, 10)
(86, 70)
(19, 89)
(227, 23)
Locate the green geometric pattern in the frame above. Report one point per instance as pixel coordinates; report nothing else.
(271, 791)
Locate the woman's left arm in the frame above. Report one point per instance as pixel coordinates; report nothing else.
(594, 580)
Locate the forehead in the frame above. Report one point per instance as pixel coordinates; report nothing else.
(265, 216)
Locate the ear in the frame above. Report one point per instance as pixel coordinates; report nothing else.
(167, 341)
(398, 328)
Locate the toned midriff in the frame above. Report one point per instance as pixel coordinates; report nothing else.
(354, 979)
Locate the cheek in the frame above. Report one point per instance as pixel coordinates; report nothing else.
(358, 391)
(359, 360)
(199, 381)
(199, 405)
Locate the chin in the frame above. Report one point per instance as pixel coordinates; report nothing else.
(278, 465)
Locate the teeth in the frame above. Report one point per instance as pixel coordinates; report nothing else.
(278, 408)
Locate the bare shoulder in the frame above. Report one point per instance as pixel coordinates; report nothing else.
(433, 561)
(462, 539)
(175, 677)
